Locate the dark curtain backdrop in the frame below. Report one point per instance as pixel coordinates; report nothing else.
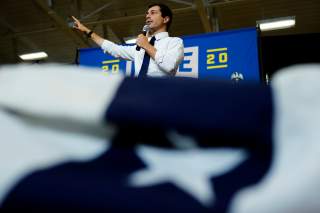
(282, 51)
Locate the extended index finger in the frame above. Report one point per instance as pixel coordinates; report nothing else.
(74, 18)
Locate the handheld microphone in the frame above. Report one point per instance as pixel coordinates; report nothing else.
(145, 29)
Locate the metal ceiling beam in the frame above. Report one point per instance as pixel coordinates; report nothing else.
(50, 3)
(108, 21)
(214, 19)
(113, 35)
(182, 2)
(62, 24)
(76, 7)
(212, 16)
(6, 25)
(15, 50)
(107, 29)
(128, 18)
(226, 2)
(202, 12)
(27, 42)
(14, 40)
(140, 16)
(51, 29)
(97, 10)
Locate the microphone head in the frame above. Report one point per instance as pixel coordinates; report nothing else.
(146, 28)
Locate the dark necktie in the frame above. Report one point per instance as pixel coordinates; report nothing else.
(146, 61)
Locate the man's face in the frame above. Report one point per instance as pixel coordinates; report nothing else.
(154, 18)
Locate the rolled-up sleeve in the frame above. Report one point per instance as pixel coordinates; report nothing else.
(118, 51)
(168, 59)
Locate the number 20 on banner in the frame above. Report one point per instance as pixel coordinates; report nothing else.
(111, 65)
(217, 58)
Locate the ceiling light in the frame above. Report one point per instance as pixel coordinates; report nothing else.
(33, 56)
(276, 23)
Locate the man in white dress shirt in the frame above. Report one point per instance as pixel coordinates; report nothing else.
(166, 53)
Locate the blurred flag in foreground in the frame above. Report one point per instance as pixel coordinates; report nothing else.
(75, 140)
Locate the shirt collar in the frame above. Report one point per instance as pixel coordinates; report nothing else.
(161, 35)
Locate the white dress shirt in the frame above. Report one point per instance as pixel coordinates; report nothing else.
(167, 59)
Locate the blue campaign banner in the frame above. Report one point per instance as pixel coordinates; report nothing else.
(224, 55)
(95, 57)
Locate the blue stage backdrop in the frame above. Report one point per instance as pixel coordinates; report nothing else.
(225, 55)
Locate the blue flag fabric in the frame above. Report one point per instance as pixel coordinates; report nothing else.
(151, 116)
(200, 108)
(97, 144)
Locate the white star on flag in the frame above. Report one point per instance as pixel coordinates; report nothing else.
(189, 170)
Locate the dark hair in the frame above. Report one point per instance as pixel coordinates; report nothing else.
(165, 11)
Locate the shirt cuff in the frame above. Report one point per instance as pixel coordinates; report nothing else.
(159, 56)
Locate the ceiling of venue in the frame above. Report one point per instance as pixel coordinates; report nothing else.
(44, 25)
